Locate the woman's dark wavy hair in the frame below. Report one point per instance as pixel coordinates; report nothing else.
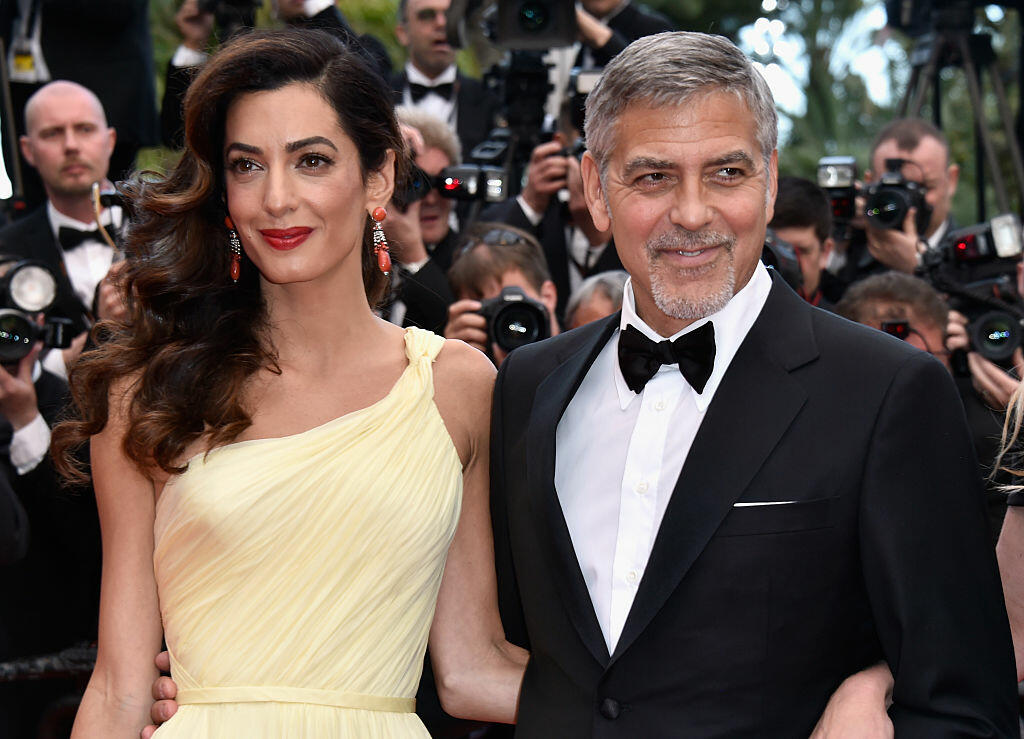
(192, 337)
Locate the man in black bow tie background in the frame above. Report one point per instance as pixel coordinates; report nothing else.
(431, 82)
(69, 144)
(708, 537)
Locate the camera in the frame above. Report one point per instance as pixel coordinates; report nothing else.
(28, 288)
(462, 182)
(514, 319)
(888, 200)
(836, 176)
(976, 266)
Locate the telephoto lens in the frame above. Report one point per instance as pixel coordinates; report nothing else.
(514, 319)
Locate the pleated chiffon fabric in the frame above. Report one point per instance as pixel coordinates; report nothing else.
(298, 575)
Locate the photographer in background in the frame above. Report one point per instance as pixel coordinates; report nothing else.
(803, 219)
(574, 247)
(926, 163)
(49, 600)
(431, 82)
(596, 297)
(69, 144)
(910, 309)
(495, 257)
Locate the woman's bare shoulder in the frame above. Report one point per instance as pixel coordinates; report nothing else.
(463, 383)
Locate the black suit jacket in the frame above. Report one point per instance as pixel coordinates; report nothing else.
(550, 232)
(632, 22)
(32, 238)
(475, 107)
(747, 618)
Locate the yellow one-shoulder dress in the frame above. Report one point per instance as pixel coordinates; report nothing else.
(297, 575)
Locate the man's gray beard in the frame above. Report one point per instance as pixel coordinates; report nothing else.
(663, 287)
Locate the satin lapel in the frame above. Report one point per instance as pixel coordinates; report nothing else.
(553, 395)
(751, 410)
(47, 250)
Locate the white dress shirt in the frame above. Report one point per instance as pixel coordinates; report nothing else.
(86, 264)
(619, 454)
(432, 103)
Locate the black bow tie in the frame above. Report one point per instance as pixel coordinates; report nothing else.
(640, 357)
(69, 238)
(418, 92)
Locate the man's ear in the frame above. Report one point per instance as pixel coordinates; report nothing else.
(380, 183)
(26, 149)
(826, 250)
(953, 175)
(772, 184)
(549, 296)
(593, 193)
(401, 35)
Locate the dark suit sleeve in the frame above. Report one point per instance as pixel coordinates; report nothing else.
(426, 295)
(14, 529)
(923, 536)
(509, 601)
(172, 123)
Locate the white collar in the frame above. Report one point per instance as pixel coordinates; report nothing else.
(732, 323)
(108, 216)
(417, 77)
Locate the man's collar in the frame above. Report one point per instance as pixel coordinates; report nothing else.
(615, 11)
(415, 76)
(109, 216)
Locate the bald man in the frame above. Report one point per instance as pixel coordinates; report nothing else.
(69, 143)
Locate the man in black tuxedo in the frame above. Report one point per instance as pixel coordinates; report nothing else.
(704, 538)
(104, 46)
(69, 144)
(431, 82)
(608, 26)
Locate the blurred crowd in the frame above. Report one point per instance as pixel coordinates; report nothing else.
(497, 262)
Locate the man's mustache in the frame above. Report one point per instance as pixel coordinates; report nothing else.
(682, 239)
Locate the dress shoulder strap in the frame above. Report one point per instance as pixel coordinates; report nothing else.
(422, 344)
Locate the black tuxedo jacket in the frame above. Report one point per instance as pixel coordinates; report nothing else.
(748, 617)
(550, 232)
(32, 238)
(475, 108)
(632, 22)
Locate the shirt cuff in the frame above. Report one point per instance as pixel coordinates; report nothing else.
(312, 7)
(186, 57)
(531, 215)
(29, 445)
(53, 362)
(414, 267)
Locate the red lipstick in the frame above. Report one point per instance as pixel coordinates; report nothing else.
(284, 239)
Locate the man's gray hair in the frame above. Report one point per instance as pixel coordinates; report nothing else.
(609, 284)
(669, 69)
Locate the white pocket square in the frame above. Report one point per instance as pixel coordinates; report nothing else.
(767, 502)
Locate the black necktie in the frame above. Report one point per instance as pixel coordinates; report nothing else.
(69, 238)
(640, 357)
(418, 92)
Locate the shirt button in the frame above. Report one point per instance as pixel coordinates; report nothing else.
(660, 405)
(641, 488)
(631, 577)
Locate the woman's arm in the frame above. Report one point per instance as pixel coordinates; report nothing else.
(858, 707)
(478, 672)
(1010, 554)
(116, 701)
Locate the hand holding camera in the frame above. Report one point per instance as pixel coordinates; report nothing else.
(18, 402)
(547, 174)
(993, 383)
(466, 324)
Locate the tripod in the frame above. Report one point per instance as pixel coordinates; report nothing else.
(957, 47)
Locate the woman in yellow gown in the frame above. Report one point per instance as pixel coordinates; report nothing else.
(287, 484)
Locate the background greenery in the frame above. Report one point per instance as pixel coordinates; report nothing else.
(840, 116)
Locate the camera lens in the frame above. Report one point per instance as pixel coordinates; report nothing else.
(995, 335)
(16, 335)
(533, 16)
(887, 208)
(516, 325)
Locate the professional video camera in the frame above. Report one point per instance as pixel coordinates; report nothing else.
(976, 267)
(231, 16)
(888, 200)
(515, 319)
(836, 176)
(28, 288)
